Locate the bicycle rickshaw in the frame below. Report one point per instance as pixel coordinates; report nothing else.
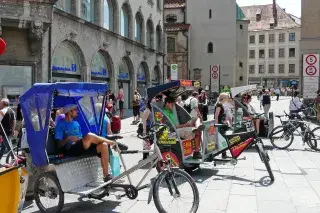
(180, 151)
(58, 174)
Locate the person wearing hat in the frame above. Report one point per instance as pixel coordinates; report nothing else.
(68, 133)
(188, 130)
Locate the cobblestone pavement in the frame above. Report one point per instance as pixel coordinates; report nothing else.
(230, 189)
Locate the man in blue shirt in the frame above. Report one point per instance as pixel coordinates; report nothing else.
(71, 140)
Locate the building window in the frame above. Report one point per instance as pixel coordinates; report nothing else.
(138, 28)
(159, 38)
(271, 38)
(210, 14)
(210, 47)
(251, 69)
(261, 68)
(292, 36)
(292, 68)
(108, 15)
(252, 39)
(252, 54)
(171, 44)
(271, 53)
(281, 37)
(281, 68)
(125, 20)
(261, 39)
(241, 27)
(271, 68)
(281, 53)
(292, 52)
(150, 34)
(258, 17)
(261, 54)
(87, 10)
(240, 64)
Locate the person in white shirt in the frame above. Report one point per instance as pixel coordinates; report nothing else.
(277, 93)
(295, 104)
(229, 110)
(193, 100)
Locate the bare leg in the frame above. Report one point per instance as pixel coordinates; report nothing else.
(94, 139)
(197, 141)
(104, 150)
(258, 126)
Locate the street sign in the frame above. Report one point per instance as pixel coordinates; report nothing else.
(311, 65)
(310, 87)
(174, 71)
(293, 82)
(215, 78)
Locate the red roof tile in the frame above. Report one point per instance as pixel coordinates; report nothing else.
(174, 3)
(176, 27)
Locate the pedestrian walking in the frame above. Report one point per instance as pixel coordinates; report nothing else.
(277, 91)
(8, 121)
(120, 98)
(147, 121)
(265, 102)
(203, 105)
(135, 107)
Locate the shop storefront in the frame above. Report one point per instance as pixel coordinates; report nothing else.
(156, 76)
(14, 81)
(100, 69)
(124, 79)
(66, 63)
(142, 79)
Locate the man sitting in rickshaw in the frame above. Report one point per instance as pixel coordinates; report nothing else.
(73, 143)
(250, 111)
(188, 130)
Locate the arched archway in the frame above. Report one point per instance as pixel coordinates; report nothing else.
(101, 67)
(139, 28)
(156, 76)
(125, 78)
(143, 78)
(68, 62)
(150, 34)
(126, 21)
(111, 15)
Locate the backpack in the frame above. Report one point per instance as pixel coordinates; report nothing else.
(187, 106)
(266, 100)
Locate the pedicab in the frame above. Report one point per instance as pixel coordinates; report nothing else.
(13, 183)
(57, 174)
(180, 151)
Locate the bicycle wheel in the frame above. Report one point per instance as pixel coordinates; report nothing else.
(281, 138)
(310, 112)
(315, 135)
(166, 187)
(46, 189)
(265, 159)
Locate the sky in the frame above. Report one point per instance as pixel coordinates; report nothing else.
(291, 6)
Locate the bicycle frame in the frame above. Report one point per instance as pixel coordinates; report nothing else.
(153, 159)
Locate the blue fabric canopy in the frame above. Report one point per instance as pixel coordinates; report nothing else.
(37, 103)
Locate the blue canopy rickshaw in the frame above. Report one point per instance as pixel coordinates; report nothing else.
(38, 102)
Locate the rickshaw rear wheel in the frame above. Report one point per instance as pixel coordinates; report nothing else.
(38, 192)
(174, 154)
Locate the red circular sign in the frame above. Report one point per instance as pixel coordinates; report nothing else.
(215, 75)
(3, 46)
(311, 70)
(311, 59)
(214, 68)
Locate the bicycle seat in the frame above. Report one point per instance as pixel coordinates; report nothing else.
(279, 116)
(113, 137)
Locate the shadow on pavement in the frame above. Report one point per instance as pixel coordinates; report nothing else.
(263, 182)
(84, 206)
(203, 174)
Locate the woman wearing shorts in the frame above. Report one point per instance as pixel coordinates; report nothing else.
(136, 107)
(121, 101)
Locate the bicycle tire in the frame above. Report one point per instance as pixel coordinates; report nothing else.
(168, 174)
(37, 182)
(265, 159)
(273, 139)
(315, 147)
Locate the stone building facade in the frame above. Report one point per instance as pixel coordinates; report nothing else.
(273, 55)
(119, 42)
(205, 33)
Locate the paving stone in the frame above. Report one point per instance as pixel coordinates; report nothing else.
(316, 186)
(276, 207)
(242, 189)
(304, 197)
(295, 181)
(214, 200)
(273, 194)
(242, 204)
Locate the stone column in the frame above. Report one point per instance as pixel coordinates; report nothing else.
(98, 12)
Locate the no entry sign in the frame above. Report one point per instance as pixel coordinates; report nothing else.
(214, 79)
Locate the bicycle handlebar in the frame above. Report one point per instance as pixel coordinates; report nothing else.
(152, 131)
